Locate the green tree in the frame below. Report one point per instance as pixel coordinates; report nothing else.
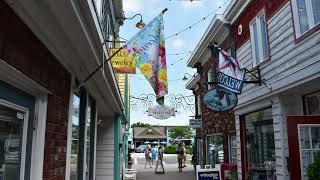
(180, 132)
(314, 168)
(140, 124)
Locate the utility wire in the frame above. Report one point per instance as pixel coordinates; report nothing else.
(197, 22)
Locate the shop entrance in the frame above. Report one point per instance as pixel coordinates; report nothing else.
(304, 144)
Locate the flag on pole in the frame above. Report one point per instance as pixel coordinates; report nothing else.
(148, 48)
(231, 75)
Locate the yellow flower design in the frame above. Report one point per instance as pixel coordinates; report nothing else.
(162, 75)
(146, 69)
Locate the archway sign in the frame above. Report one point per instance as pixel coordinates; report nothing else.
(161, 112)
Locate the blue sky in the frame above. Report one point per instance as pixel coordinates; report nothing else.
(180, 14)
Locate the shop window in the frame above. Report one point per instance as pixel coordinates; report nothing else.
(75, 137)
(258, 35)
(259, 144)
(11, 133)
(306, 15)
(312, 103)
(215, 154)
(233, 147)
(87, 144)
(309, 143)
(211, 77)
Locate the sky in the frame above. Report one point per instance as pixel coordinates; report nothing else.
(181, 14)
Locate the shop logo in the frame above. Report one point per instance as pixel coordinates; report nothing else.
(220, 100)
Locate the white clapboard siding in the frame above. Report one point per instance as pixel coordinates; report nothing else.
(105, 151)
(290, 62)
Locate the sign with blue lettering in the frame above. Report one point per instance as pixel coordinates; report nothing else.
(220, 100)
(231, 75)
(208, 175)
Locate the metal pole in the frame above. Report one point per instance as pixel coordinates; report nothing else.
(93, 72)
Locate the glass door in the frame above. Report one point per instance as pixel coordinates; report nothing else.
(11, 133)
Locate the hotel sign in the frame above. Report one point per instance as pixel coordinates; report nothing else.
(160, 112)
(195, 123)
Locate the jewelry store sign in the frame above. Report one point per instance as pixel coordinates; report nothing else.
(160, 112)
(195, 123)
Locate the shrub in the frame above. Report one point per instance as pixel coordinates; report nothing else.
(171, 149)
(314, 168)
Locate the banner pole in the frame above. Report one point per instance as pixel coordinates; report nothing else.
(101, 65)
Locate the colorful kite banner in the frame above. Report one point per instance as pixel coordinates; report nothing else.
(122, 62)
(148, 48)
(231, 75)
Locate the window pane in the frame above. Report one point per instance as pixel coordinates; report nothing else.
(88, 144)
(10, 143)
(302, 14)
(304, 137)
(215, 150)
(313, 103)
(75, 138)
(316, 10)
(306, 160)
(315, 135)
(256, 43)
(260, 147)
(264, 36)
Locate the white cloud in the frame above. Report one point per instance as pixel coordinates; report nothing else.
(178, 43)
(188, 5)
(132, 6)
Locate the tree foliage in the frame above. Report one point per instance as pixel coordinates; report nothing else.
(180, 132)
(140, 124)
(314, 168)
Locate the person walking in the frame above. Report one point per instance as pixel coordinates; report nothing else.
(180, 153)
(160, 160)
(184, 155)
(154, 152)
(147, 156)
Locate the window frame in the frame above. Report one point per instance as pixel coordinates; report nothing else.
(233, 133)
(301, 149)
(296, 21)
(25, 129)
(256, 19)
(305, 105)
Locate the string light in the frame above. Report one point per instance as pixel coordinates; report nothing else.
(197, 22)
(176, 54)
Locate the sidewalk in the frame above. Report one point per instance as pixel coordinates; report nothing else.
(171, 173)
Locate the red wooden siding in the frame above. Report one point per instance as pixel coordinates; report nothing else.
(253, 9)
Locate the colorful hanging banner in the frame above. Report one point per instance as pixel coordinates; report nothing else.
(230, 75)
(148, 48)
(122, 62)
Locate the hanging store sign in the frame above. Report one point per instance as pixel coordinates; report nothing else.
(220, 100)
(161, 112)
(195, 123)
(230, 75)
(122, 62)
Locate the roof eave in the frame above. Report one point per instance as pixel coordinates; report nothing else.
(214, 28)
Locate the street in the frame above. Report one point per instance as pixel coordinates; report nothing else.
(170, 166)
